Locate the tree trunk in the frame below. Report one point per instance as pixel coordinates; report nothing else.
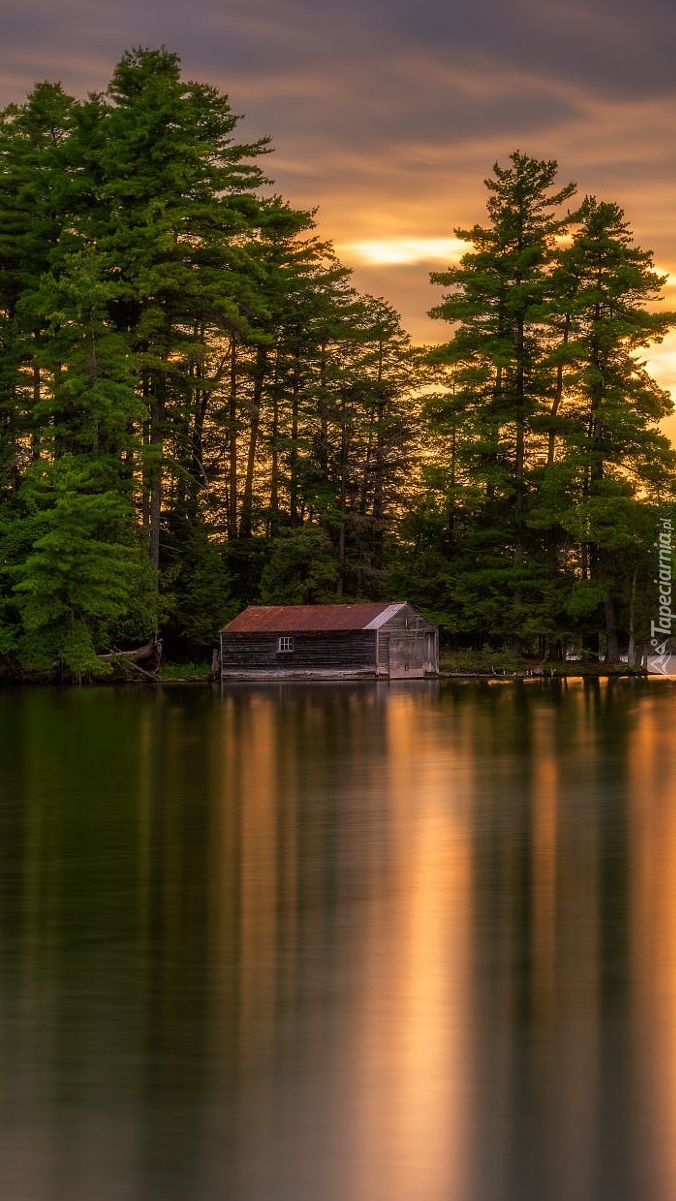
(155, 492)
(342, 497)
(145, 659)
(632, 656)
(245, 521)
(379, 489)
(612, 646)
(35, 438)
(232, 446)
(274, 453)
(197, 471)
(558, 396)
(293, 452)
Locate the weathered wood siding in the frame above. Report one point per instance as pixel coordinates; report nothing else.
(406, 618)
(383, 653)
(407, 646)
(411, 655)
(337, 653)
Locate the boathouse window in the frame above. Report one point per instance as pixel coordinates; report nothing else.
(285, 643)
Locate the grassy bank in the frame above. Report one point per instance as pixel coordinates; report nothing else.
(504, 663)
(184, 672)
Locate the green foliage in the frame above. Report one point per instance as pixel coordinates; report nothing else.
(82, 570)
(196, 587)
(185, 671)
(198, 410)
(557, 465)
(585, 598)
(302, 569)
(486, 661)
(162, 318)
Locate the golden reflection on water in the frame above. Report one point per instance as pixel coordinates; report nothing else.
(431, 1022)
(411, 1025)
(406, 1053)
(652, 823)
(566, 948)
(389, 943)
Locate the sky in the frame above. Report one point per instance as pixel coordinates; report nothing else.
(387, 115)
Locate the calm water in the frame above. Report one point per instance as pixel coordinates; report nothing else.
(339, 943)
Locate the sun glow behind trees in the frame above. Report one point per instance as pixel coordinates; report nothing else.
(403, 250)
(408, 251)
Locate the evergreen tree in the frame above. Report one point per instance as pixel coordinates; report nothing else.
(176, 209)
(81, 572)
(33, 141)
(500, 304)
(619, 465)
(197, 409)
(553, 459)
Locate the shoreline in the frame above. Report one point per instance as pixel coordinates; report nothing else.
(497, 677)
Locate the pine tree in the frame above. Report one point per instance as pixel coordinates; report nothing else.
(82, 571)
(500, 305)
(186, 369)
(33, 140)
(176, 209)
(619, 465)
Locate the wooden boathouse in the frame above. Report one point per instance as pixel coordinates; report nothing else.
(387, 640)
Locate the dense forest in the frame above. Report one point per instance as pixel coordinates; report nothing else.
(198, 410)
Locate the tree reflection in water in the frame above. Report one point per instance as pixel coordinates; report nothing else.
(366, 942)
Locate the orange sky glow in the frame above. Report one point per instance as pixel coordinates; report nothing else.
(387, 115)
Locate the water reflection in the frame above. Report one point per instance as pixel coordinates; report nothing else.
(363, 942)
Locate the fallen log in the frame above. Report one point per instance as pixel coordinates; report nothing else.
(149, 655)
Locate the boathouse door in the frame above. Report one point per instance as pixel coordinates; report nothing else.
(408, 656)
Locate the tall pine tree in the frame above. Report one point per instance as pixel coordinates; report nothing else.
(500, 306)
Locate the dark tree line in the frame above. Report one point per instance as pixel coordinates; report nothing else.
(198, 410)
(538, 522)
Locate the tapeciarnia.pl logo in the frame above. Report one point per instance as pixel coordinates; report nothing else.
(660, 630)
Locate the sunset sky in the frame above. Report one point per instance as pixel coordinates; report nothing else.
(388, 114)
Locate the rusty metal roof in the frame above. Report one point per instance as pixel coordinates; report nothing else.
(302, 619)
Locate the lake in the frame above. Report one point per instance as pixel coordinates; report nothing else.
(339, 942)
